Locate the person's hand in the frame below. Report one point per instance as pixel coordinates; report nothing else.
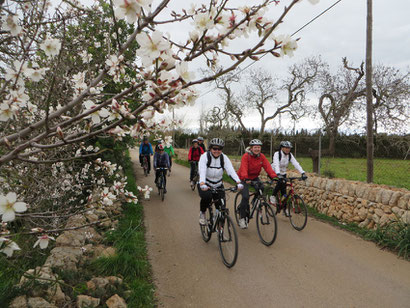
(304, 176)
(248, 181)
(204, 187)
(240, 186)
(281, 176)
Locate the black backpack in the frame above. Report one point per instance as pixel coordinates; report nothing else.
(280, 155)
(208, 163)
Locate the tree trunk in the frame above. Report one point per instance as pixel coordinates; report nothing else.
(332, 143)
(369, 94)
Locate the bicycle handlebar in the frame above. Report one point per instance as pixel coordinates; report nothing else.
(299, 178)
(232, 189)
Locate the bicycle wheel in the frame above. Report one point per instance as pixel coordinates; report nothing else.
(266, 223)
(228, 240)
(297, 212)
(206, 230)
(145, 166)
(238, 199)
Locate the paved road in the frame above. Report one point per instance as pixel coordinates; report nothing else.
(319, 267)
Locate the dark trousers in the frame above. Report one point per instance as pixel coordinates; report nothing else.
(280, 186)
(148, 159)
(207, 197)
(158, 172)
(170, 161)
(244, 209)
(194, 169)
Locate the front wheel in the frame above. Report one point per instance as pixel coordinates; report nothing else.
(297, 213)
(228, 240)
(266, 224)
(206, 230)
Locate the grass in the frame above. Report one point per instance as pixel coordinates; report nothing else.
(394, 236)
(13, 268)
(131, 260)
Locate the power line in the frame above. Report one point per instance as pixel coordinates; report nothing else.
(305, 25)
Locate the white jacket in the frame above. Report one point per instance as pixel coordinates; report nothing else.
(281, 166)
(212, 176)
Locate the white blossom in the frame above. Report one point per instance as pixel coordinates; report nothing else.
(7, 112)
(43, 241)
(182, 70)
(288, 45)
(98, 114)
(51, 47)
(8, 246)
(8, 206)
(11, 24)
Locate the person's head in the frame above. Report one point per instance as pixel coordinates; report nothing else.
(195, 143)
(145, 139)
(285, 146)
(160, 148)
(216, 146)
(200, 140)
(256, 146)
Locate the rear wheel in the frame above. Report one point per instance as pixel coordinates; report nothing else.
(238, 199)
(228, 240)
(206, 230)
(297, 212)
(145, 166)
(266, 224)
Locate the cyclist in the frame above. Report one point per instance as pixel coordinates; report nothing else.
(161, 160)
(281, 160)
(168, 148)
(201, 143)
(195, 152)
(146, 150)
(251, 164)
(158, 142)
(211, 168)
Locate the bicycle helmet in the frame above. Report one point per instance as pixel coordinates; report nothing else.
(145, 138)
(255, 142)
(200, 139)
(195, 140)
(286, 144)
(160, 147)
(217, 142)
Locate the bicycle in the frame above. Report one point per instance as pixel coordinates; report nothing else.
(145, 164)
(292, 204)
(161, 182)
(265, 216)
(222, 224)
(195, 179)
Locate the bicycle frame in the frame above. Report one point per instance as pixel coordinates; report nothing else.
(219, 212)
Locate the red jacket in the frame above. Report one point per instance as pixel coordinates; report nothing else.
(251, 166)
(195, 154)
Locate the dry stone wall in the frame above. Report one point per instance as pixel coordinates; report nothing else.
(368, 205)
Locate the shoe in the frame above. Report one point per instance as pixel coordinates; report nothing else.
(202, 219)
(242, 223)
(165, 190)
(272, 200)
(286, 212)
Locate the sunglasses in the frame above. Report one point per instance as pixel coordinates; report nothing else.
(216, 149)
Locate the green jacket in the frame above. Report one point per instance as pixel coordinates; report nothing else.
(169, 150)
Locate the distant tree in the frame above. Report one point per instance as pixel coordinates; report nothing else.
(339, 94)
(391, 92)
(264, 92)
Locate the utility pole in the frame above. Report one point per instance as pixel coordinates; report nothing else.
(369, 94)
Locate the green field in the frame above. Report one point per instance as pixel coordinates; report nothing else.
(390, 172)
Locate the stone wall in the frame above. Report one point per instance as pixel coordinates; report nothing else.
(81, 241)
(369, 205)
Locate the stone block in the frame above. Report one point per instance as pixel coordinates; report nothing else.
(395, 198)
(403, 202)
(386, 196)
(116, 302)
(87, 301)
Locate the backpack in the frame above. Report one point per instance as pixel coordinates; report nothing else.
(208, 163)
(280, 155)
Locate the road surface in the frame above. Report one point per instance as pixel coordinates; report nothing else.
(321, 266)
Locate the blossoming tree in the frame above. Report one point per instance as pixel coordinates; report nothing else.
(71, 73)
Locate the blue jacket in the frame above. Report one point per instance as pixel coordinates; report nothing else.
(146, 148)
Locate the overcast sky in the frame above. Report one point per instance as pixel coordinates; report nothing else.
(341, 32)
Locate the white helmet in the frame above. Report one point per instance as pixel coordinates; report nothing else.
(255, 142)
(217, 142)
(286, 144)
